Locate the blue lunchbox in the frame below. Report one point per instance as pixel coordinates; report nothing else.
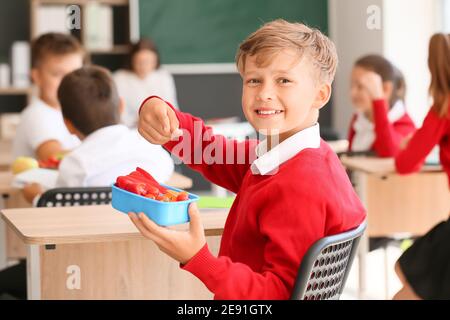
(162, 213)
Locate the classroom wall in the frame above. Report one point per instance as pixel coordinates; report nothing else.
(348, 30)
(405, 43)
(14, 25)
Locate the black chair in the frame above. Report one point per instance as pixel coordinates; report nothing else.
(80, 196)
(325, 266)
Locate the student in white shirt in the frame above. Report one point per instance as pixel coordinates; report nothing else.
(144, 77)
(41, 133)
(91, 107)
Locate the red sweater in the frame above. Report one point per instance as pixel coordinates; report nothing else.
(387, 135)
(274, 218)
(434, 130)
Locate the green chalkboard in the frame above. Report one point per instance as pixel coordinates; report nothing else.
(209, 31)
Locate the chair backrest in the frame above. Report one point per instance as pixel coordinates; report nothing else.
(325, 266)
(67, 197)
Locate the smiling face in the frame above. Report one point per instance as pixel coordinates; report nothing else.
(283, 96)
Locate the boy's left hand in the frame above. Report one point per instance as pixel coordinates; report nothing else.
(30, 191)
(180, 245)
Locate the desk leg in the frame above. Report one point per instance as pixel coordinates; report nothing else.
(3, 258)
(33, 272)
(363, 250)
(3, 255)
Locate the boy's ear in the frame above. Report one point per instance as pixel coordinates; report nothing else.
(323, 96)
(35, 77)
(69, 125)
(72, 128)
(121, 105)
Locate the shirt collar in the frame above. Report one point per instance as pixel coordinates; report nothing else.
(269, 161)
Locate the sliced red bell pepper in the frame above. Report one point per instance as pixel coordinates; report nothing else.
(149, 177)
(132, 185)
(182, 196)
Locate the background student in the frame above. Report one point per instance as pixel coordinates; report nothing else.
(41, 132)
(424, 269)
(143, 76)
(380, 121)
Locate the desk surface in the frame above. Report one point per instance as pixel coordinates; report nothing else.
(382, 166)
(338, 146)
(87, 224)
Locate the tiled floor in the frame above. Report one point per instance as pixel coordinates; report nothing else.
(377, 286)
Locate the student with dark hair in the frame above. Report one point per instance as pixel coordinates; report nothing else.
(143, 75)
(381, 121)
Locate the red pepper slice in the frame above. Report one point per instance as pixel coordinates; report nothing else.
(182, 196)
(132, 185)
(150, 179)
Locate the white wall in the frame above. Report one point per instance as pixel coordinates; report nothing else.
(445, 16)
(403, 38)
(407, 28)
(348, 30)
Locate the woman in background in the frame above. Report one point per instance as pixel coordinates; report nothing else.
(143, 77)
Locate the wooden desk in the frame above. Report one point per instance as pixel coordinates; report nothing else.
(396, 204)
(338, 146)
(11, 247)
(6, 157)
(95, 252)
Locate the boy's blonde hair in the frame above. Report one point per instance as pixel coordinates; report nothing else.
(280, 34)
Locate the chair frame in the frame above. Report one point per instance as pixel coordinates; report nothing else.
(59, 197)
(307, 285)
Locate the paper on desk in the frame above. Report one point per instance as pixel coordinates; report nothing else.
(45, 177)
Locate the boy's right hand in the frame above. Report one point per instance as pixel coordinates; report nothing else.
(158, 123)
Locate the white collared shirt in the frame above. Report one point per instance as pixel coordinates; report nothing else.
(269, 161)
(365, 130)
(110, 152)
(40, 123)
